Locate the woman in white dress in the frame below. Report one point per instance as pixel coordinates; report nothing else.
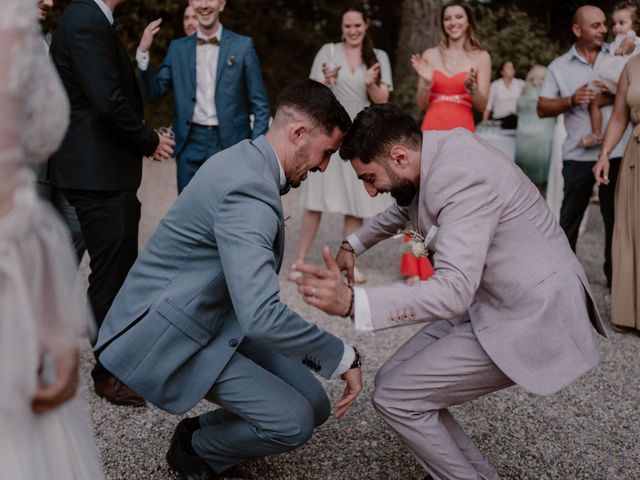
(358, 75)
(44, 429)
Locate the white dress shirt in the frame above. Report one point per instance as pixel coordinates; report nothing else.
(106, 10)
(204, 112)
(361, 311)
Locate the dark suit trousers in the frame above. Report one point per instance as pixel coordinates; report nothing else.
(578, 185)
(109, 224)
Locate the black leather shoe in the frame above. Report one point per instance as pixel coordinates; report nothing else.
(181, 430)
(189, 467)
(116, 392)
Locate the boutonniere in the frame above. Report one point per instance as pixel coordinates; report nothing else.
(231, 60)
(415, 244)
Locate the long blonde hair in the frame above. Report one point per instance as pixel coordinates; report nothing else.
(535, 77)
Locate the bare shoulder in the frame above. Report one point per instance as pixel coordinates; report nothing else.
(481, 56)
(431, 54)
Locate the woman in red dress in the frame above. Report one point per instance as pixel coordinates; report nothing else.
(453, 78)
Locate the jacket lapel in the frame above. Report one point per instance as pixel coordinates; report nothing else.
(190, 57)
(223, 54)
(273, 172)
(427, 157)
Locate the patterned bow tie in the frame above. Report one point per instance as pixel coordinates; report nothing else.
(284, 190)
(209, 41)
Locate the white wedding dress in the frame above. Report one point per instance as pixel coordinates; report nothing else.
(40, 310)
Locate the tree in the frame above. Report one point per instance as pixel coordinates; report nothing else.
(420, 21)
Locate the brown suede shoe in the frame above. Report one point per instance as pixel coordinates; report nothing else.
(116, 392)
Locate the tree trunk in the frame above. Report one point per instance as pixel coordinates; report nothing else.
(420, 20)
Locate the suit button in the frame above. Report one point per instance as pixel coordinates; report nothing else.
(188, 122)
(193, 99)
(233, 343)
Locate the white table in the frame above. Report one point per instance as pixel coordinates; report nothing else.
(505, 140)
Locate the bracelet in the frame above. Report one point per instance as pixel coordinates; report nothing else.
(346, 246)
(570, 101)
(357, 361)
(350, 310)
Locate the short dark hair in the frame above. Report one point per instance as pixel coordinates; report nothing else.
(375, 129)
(318, 102)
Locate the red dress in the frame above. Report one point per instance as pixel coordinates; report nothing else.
(449, 108)
(449, 104)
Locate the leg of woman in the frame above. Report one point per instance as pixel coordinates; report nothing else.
(308, 230)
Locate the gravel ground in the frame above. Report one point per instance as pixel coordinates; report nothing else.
(591, 430)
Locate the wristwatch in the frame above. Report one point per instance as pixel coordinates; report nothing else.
(357, 362)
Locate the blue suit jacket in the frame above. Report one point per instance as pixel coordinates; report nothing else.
(207, 278)
(240, 89)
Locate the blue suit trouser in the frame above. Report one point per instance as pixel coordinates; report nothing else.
(270, 404)
(201, 144)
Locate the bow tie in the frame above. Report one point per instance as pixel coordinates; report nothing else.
(284, 190)
(209, 41)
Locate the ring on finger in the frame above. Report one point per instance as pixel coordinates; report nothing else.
(313, 292)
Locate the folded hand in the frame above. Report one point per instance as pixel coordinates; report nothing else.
(353, 379)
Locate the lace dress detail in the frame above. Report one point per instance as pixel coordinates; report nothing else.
(41, 309)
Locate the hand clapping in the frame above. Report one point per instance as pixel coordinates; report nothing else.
(330, 73)
(422, 66)
(373, 75)
(471, 82)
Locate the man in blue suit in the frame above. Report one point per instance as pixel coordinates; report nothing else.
(200, 316)
(216, 81)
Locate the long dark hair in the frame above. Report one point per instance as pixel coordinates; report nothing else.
(368, 55)
(471, 41)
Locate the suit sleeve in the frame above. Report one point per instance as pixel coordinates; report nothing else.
(469, 211)
(245, 229)
(384, 225)
(94, 61)
(256, 92)
(157, 85)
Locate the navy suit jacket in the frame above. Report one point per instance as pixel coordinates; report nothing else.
(240, 89)
(107, 134)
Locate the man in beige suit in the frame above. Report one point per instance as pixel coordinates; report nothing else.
(509, 302)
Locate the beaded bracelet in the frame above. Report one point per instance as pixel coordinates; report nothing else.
(346, 246)
(353, 295)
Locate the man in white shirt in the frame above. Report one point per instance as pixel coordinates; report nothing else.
(216, 81)
(567, 89)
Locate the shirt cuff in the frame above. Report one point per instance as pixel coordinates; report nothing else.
(362, 313)
(356, 244)
(348, 357)
(142, 58)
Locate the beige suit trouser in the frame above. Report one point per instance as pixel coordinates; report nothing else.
(442, 365)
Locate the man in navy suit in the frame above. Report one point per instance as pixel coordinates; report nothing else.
(216, 80)
(98, 167)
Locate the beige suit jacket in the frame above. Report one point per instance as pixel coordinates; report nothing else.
(500, 256)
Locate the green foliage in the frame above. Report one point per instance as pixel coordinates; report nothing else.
(286, 33)
(512, 34)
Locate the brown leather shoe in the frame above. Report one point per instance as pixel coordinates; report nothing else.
(116, 392)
